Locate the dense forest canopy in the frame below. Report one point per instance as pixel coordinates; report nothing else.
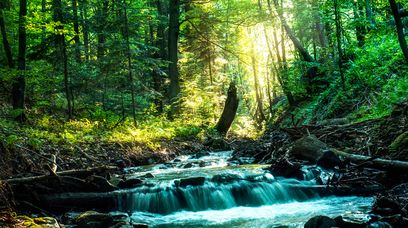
(157, 60)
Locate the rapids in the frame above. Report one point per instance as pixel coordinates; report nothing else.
(213, 191)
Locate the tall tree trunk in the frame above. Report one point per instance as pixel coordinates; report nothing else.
(299, 47)
(19, 83)
(358, 17)
(60, 38)
(85, 28)
(260, 116)
(160, 43)
(76, 30)
(102, 14)
(6, 44)
(337, 19)
(174, 29)
(129, 60)
(400, 28)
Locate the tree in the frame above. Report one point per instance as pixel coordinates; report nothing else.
(62, 53)
(400, 28)
(230, 110)
(18, 90)
(173, 37)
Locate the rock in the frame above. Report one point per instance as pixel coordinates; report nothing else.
(309, 148)
(217, 144)
(321, 222)
(379, 224)
(102, 184)
(285, 168)
(329, 160)
(225, 178)
(130, 183)
(120, 217)
(147, 175)
(395, 220)
(193, 181)
(202, 164)
(386, 206)
(93, 219)
(346, 224)
(140, 225)
(47, 222)
(200, 154)
(188, 165)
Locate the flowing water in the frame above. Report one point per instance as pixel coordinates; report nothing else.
(210, 191)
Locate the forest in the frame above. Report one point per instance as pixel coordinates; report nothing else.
(203, 113)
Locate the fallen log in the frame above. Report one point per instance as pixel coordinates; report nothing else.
(79, 173)
(311, 149)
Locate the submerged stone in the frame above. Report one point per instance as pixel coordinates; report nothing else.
(193, 181)
(130, 183)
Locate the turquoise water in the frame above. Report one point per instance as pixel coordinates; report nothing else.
(229, 195)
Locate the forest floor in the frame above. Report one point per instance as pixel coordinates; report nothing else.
(385, 138)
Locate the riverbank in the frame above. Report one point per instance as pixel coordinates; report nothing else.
(383, 138)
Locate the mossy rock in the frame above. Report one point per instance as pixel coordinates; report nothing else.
(399, 142)
(93, 219)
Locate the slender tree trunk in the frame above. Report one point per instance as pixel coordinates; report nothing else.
(358, 17)
(85, 29)
(174, 29)
(160, 43)
(400, 28)
(259, 103)
(298, 45)
(129, 60)
(339, 37)
(6, 44)
(19, 83)
(102, 14)
(76, 30)
(60, 38)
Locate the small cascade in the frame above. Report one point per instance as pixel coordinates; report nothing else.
(209, 183)
(211, 189)
(210, 195)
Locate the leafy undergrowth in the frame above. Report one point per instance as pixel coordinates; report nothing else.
(376, 80)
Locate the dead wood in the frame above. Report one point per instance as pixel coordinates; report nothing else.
(79, 173)
(311, 148)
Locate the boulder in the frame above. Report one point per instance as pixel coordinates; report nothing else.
(200, 154)
(321, 222)
(309, 148)
(386, 206)
(193, 181)
(93, 219)
(329, 160)
(188, 165)
(130, 183)
(285, 168)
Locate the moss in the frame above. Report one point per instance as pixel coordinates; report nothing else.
(398, 142)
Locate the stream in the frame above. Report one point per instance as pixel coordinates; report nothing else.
(211, 191)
